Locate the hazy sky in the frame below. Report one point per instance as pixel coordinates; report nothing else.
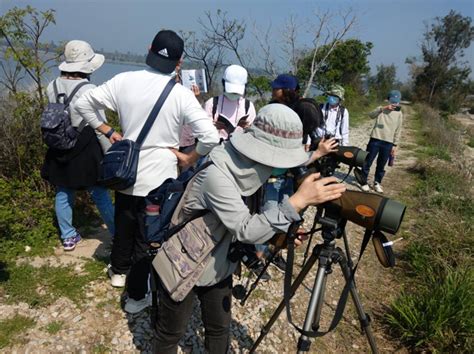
(394, 27)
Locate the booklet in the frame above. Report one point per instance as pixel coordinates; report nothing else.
(194, 77)
(229, 127)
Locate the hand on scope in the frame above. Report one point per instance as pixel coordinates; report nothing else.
(280, 240)
(325, 146)
(315, 190)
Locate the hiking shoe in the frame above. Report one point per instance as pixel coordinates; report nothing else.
(279, 262)
(136, 306)
(365, 188)
(257, 268)
(70, 243)
(378, 187)
(117, 280)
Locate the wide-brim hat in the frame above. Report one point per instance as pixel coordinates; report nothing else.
(80, 57)
(274, 138)
(336, 90)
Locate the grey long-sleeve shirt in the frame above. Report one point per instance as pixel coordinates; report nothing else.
(230, 219)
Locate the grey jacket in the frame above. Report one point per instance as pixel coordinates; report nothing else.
(219, 189)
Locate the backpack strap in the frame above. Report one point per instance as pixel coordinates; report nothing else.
(340, 117)
(247, 106)
(76, 89)
(215, 101)
(154, 112)
(55, 88)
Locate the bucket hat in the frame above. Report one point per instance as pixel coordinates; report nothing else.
(273, 139)
(80, 57)
(235, 79)
(285, 81)
(336, 90)
(165, 51)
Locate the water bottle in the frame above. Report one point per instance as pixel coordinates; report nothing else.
(391, 159)
(152, 210)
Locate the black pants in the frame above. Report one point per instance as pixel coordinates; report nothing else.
(129, 247)
(173, 318)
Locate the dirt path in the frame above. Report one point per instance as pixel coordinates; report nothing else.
(99, 325)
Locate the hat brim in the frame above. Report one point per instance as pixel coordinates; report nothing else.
(86, 67)
(265, 154)
(234, 88)
(157, 62)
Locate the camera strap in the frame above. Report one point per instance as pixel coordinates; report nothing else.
(342, 299)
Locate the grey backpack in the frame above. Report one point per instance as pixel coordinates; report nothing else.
(56, 128)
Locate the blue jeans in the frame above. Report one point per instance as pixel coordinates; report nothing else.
(274, 192)
(381, 148)
(65, 202)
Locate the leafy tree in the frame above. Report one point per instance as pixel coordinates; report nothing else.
(22, 30)
(346, 64)
(384, 80)
(443, 79)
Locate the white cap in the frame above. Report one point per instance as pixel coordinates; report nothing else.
(80, 57)
(235, 78)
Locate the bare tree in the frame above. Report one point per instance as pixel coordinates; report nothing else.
(206, 51)
(325, 33)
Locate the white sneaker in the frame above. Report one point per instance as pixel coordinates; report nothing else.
(117, 280)
(378, 187)
(135, 306)
(365, 188)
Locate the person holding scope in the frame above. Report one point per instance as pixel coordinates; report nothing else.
(239, 168)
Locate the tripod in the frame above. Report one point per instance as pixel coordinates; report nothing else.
(326, 254)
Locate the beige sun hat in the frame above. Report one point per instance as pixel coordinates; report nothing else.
(80, 57)
(274, 138)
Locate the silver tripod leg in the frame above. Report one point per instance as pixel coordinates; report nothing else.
(363, 317)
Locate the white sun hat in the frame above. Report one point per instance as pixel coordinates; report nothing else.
(80, 57)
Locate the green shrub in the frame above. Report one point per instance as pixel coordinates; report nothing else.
(26, 218)
(12, 328)
(439, 316)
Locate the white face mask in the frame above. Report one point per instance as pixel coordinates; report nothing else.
(232, 96)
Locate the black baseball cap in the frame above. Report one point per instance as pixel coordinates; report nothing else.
(165, 52)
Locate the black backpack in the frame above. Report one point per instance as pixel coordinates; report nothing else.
(56, 128)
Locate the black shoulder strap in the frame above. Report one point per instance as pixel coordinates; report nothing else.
(247, 106)
(154, 112)
(340, 118)
(215, 100)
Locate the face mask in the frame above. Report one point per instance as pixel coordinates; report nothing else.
(333, 100)
(232, 96)
(173, 74)
(278, 171)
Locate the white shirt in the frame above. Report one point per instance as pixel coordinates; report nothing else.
(132, 95)
(330, 125)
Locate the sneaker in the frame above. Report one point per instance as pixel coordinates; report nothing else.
(70, 243)
(279, 262)
(365, 188)
(257, 268)
(136, 306)
(378, 187)
(117, 280)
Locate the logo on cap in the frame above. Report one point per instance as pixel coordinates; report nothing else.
(163, 52)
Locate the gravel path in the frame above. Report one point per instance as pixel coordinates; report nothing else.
(99, 324)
